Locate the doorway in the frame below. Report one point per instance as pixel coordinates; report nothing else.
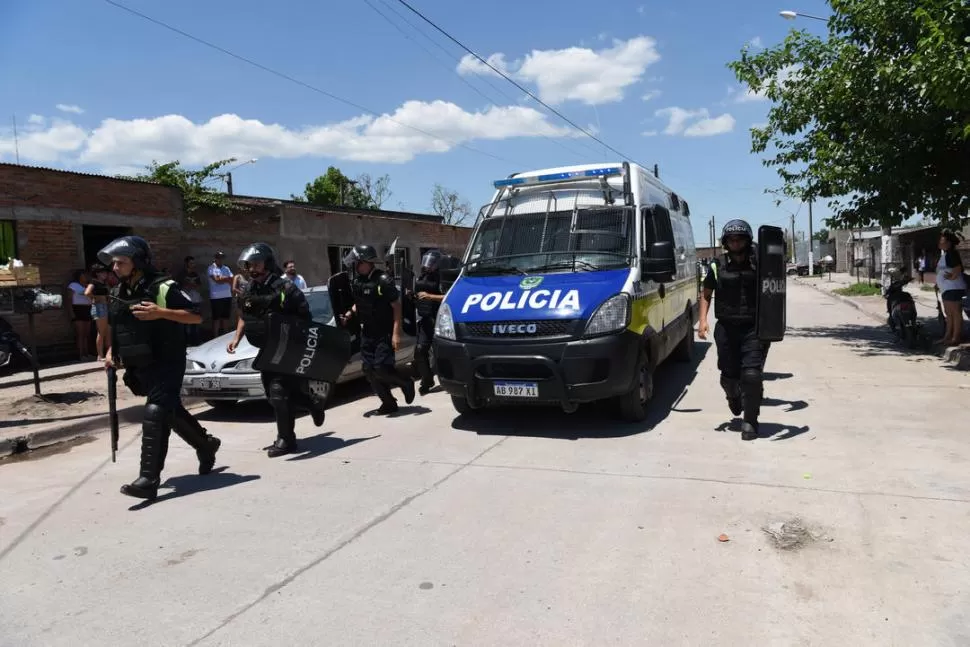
(95, 238)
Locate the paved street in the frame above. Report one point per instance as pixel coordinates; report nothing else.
(528, 528)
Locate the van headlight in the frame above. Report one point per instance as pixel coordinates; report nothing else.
(444, 324)
(613, 315)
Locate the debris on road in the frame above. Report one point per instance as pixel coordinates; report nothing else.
(722, 538)
(792, 534)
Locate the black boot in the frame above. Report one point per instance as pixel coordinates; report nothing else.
(279, 397)
(154, 433)
(752, 393)
(390, 376)
(732, 389)
(196, 437)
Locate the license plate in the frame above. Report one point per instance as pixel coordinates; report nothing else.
(517, 389)
(209, 383)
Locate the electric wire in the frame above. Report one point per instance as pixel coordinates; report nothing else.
(516, 83)
(291, 79)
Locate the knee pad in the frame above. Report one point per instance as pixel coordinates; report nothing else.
(278, 392)
(751, 376)
(731, 385)
(155, 413)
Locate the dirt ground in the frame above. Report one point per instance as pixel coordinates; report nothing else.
(72, 396)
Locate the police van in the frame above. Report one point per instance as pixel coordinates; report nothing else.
(576, 284)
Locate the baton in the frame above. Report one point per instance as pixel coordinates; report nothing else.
(113, 409)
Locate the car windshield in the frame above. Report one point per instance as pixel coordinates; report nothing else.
(587, 239)
(320, 307)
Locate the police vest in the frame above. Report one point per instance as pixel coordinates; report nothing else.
(736, 295)
(142, 343)
(432, 285)
(256, 303)
(373, 309)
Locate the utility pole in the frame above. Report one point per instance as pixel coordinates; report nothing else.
(811, 251)
(229, 183)
(794, 249)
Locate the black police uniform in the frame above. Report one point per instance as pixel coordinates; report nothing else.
(287, 394)
(740, 354)
(374, 295)
(153, 355)
(427, 311)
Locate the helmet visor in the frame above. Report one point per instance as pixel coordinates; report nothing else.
(121, 247)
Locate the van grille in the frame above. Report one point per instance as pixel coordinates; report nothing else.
(545, 328)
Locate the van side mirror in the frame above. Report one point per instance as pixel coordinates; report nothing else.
(659, 263)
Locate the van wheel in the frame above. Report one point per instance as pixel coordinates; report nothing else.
(633, 404)
(685, 349)
(461, 405)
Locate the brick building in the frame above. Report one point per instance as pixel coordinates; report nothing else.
(58, 220)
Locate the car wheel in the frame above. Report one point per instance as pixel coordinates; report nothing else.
(633, 405)
(462, 405)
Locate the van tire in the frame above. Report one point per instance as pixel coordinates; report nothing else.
(461, 405)
(685, 349)
(633, 406)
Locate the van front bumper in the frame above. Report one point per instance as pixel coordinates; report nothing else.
(564, 372)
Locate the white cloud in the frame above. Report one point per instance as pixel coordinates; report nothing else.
(578, 73)
(784, 74)
(471, 65)
(66, 107)
(36, 120)
(119, 143)
(653, 94)
(695, 123)
(756, 43)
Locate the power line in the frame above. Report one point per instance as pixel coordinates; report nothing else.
(516, 83)
(446, 65)
(287, 77)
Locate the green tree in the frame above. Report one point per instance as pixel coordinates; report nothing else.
(822, 235)
(335, 189)
(875, 118)
(193, 184)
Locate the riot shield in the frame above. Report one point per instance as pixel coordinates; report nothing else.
(772, 284)
(449, 273)
(300, 348)
(409, 310)
(342, 300)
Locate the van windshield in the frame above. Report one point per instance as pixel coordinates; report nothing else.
(587, 239)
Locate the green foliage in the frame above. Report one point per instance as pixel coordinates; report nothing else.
(877, 117)
(822, 235)
(195, 194)
(336, 189)
(859, 290)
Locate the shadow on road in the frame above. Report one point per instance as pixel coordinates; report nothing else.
(767, 429)
(324, 444)
(593, 420)
(867, 341)
(193, 483)
(771, 377)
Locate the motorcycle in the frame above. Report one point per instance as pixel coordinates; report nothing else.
(902, 313)
(9, 344)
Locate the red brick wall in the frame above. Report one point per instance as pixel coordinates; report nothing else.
(25, 186)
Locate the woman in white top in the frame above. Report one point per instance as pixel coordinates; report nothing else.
(952, 287)
(81, 307)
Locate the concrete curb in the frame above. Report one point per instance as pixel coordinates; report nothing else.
(50, 378)
(959, 358)
(91, 426)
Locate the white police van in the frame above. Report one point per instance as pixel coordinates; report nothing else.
(576, 284)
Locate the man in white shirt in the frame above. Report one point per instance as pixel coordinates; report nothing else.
(220, 294)
(289, 268)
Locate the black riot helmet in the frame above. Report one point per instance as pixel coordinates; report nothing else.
(361, 254)
(133, 247)
(433, 260)
(737, 228)
(260, 252)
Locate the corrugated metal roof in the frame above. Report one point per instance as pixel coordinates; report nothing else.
(57, 170)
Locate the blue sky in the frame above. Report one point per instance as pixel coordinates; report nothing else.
(95, 88)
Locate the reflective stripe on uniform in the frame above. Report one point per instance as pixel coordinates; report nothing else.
(161, 299)
(714, 269)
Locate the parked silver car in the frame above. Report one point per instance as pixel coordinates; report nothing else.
(221, 379)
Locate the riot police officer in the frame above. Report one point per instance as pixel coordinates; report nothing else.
(147, 314)
(427, 291)
(377, 306)
(733, 282)
(268, 291)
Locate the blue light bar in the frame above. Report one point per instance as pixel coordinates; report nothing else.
(558, 177)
